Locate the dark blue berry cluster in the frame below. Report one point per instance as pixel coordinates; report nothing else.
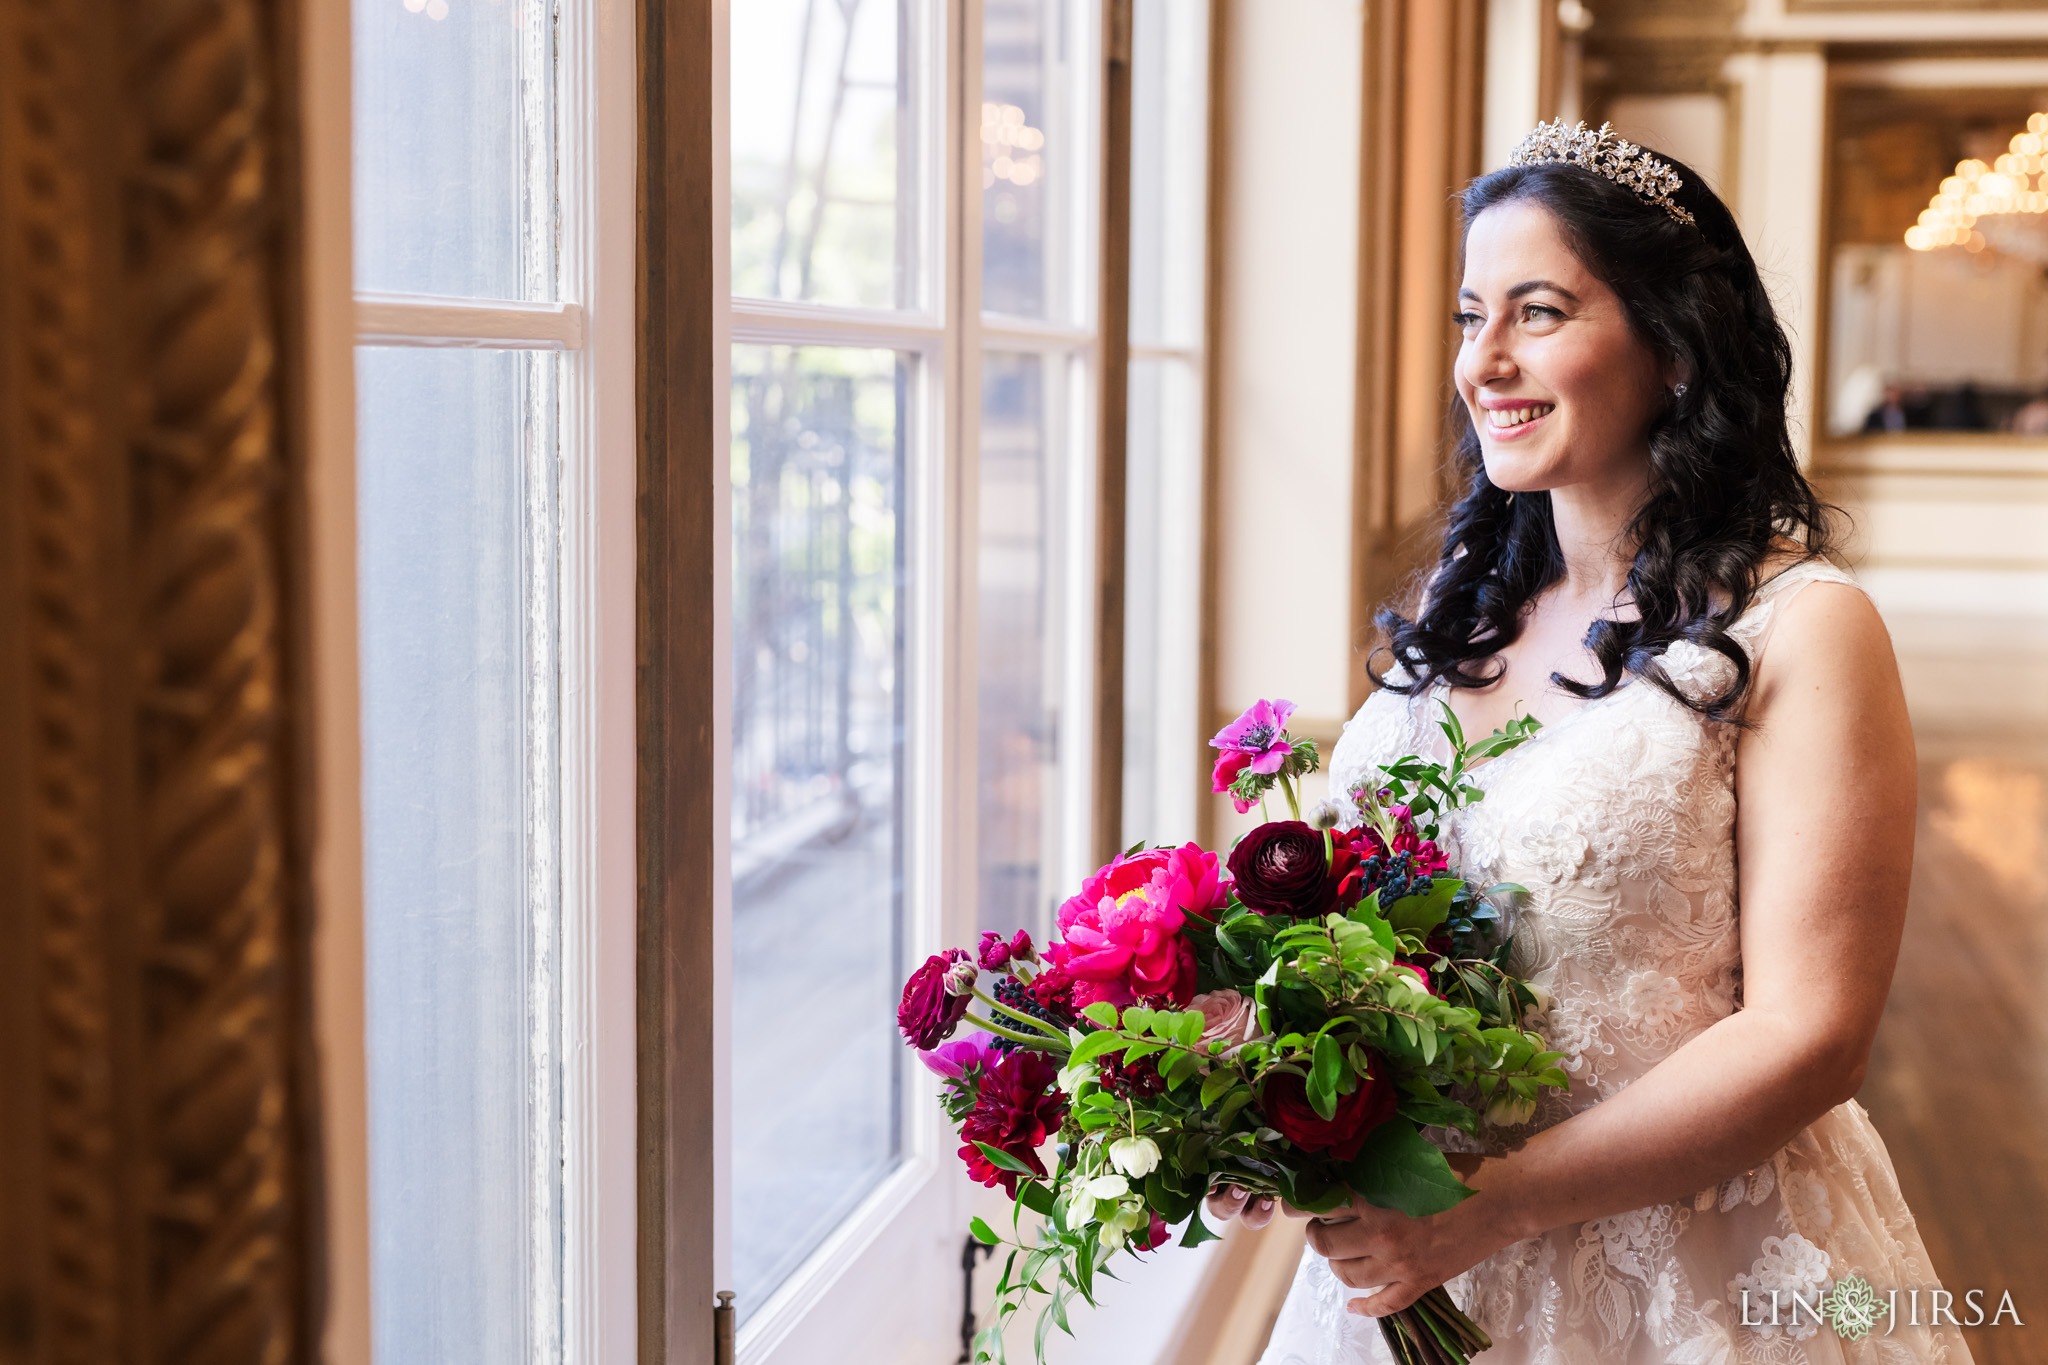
(1012, 992)
(1394, 876)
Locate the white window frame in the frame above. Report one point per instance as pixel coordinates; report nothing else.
(594, 328)
(862, 1266)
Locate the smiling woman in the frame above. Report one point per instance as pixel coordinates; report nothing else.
(1714, 864)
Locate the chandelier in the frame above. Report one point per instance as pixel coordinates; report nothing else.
(2015, 183)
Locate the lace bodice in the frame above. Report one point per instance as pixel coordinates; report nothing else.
(1619, 819)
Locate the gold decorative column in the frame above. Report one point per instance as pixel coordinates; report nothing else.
(153, 1073)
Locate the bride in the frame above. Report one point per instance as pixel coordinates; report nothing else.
(1714, 825)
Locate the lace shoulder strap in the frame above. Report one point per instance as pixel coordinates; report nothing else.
(1753, 630)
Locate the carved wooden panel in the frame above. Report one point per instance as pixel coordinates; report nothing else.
(150, 1102)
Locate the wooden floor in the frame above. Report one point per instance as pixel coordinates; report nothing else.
(1958, 1083)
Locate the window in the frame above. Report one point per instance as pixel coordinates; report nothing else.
(911, 388)
(494, 495)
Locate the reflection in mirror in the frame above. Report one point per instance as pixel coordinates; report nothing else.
(1939, 316)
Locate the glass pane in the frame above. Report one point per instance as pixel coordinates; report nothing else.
(1163, 779)
(454, 475)
(825, 150)
(1169, 171)
(454, 147)
(1018, 656)
(817, 794)
(1037, 157)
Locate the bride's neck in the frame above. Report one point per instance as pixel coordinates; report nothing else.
(1592, 524)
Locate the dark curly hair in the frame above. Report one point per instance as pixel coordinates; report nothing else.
(1724, 482)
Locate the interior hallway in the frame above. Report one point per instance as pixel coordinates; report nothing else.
(1956, 1077)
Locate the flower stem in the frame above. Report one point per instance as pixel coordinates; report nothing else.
(1038, 1025)
(1029, 1039)
(1287, 790)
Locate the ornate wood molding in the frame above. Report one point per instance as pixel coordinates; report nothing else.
(153, 1088)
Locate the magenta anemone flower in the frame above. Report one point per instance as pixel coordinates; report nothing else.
(1261, 732)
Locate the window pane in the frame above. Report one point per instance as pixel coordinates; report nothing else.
(454, 149)
(1018, 657)
(1037, 157)
(455, 470)
(825, 150)
(817, 794)
(1169, 171)
(1163, 778)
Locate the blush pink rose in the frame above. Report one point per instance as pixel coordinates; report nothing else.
(1227, 1016)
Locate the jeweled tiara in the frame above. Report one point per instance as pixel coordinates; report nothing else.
(1605, 154)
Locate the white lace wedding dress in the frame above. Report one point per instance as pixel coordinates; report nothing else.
(1620, 821)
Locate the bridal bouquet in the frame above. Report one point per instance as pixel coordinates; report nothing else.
(1286, 1022)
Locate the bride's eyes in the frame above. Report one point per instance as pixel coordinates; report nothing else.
(1531, 313)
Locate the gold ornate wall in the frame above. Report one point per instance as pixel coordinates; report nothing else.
(153, 1077)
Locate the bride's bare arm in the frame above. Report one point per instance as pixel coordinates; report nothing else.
(1825, 788)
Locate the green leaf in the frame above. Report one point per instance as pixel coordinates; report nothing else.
(982, 1232)
(1140, 1050)
(1198, 1232)
(1101, 1012)
(1216, 1083)
(1034, 1196)
(1398, 1168)
(1004, 1161)
(1235, 1101)
(1138, 1019)
(1420, 914)
(1323, 1076)
(1097, 1045)
(1188, 1030)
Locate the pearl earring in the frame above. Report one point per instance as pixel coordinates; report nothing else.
(1678, 391)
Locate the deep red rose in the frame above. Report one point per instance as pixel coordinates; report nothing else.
(1285, 1100)
(1018, 1108)
(1280, 870)
(929, 1012)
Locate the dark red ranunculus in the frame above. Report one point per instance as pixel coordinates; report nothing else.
(929, 1012)
(1018, 1109)
(1285, 1100)
(1280, 870)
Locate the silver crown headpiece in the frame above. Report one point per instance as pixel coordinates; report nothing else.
(1602, 153)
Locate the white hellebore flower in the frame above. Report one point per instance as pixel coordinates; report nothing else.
(1136, 1157)
(1117, 1229)
(1108, 1187)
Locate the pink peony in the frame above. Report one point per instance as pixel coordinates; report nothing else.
(1260, 732)
(1121, 934)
